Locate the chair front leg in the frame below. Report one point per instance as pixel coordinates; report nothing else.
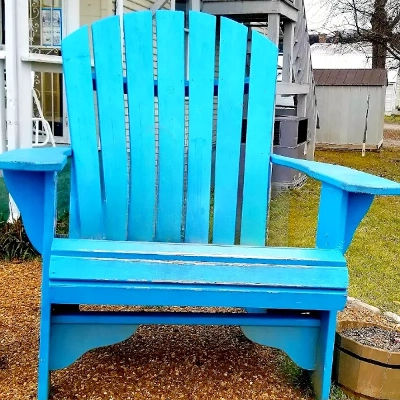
(321, 377)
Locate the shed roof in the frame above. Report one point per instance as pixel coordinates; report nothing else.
(350, 77)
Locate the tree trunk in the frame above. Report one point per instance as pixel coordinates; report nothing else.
(378, 55)
(379, 24)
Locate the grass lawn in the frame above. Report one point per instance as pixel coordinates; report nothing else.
(392, 119)
(374, 255)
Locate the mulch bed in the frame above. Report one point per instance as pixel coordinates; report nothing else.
(163, 362)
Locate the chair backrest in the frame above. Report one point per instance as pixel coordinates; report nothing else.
(152, 113)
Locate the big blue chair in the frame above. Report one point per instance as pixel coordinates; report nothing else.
(143, 183)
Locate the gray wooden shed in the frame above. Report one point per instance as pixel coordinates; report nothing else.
(343, 98)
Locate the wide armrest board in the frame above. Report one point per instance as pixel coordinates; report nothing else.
(344, 178)
(39, 159)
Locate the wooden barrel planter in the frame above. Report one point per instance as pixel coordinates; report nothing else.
(365, 372)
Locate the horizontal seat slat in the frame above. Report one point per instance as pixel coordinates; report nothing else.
(196, 252)
(150, 262)
(156, 271)
(167, 294)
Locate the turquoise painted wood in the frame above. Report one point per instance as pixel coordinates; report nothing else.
(93, 269)
(299, 342)
(69, 328)
(169, 294)
(74, 224)
(347, 179)
(41, 159)
(170, 68)
(49, 217)
(140, 221)
(111, 113)
(340, 214)
(201, 86)
(260, 115)
(82, 128)
(232, 57)
(87, 335)
(197, 252)
(140, 81)
(324, 358)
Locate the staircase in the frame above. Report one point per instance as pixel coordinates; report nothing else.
(303, 74)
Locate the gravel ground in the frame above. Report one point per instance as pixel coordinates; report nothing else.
(355, 313)
(392, 126)
(375, 336)
(164, 362)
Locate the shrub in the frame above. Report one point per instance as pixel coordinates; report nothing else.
(14, 242)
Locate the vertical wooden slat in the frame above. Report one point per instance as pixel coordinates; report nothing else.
(82, 126)
(140, 83)
(201, 89)
(110, 103)
(74, 224)
(232, 56)
(170, 52)
(260, 119)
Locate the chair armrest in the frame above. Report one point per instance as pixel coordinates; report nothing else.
(346, 196)
(43, 159)
(31, 177)
(344, 178)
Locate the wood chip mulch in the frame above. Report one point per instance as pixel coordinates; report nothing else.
(163, 362)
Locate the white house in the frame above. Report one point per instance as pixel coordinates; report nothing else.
(31, 36)
(30, 58)
(392, 100)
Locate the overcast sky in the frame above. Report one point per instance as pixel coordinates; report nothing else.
(317, 15)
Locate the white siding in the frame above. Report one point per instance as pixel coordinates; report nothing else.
(137, 5)
(390, 100)
(92, 10)
(398, 92)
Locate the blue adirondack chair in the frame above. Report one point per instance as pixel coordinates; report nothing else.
(139, 223)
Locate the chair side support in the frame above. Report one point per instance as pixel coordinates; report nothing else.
(28, 189)
(75, 333)
(31, 176)
(340, 213)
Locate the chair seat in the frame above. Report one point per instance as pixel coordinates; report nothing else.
(124, 264)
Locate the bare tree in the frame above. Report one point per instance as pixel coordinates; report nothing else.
(376, 22)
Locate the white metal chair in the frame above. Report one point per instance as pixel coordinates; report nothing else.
(45, 130)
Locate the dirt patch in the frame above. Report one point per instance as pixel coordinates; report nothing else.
(391, 134)
(391, 137)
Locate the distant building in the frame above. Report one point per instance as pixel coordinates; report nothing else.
(336, 55)
(349, 101)
(392, 101)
